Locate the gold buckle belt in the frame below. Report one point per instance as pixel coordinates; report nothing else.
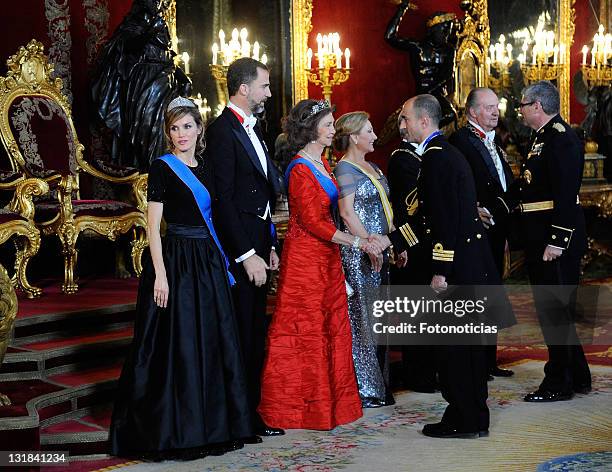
(537, 206)
(540, 206)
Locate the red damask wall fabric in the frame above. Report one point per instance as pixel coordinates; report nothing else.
(71, 30)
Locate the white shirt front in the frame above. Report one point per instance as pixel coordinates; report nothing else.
(489, 142)
(248, 124)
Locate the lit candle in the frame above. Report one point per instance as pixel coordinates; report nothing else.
(215, 51)
(319, 44)
(509, 50)
(562, 54)
(593, 54)
(185, 57)
(347, 55)
(338, 59)
(551, 41)
(535, 53)
(256, 50)
(556, 54)
(309, 56)
(198, 101)
(222, 39)
(585, 51)
(264, 59)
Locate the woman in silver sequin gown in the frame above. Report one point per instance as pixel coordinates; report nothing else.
(362, 213)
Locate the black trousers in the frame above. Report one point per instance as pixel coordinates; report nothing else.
(567, 367)
(463, 375)
(418, 362)
(250, 308)
(497, 241)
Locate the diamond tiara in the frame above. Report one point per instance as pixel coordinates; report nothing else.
(319, 106)
(181, 102)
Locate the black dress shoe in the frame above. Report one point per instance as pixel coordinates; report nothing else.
(269, 431)
(540, 396)
(582, 388)
(370, 402)
(498, 372)
(443, 430)
(389, 399)
(252, 440)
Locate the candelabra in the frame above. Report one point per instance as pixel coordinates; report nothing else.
(329, 57)
(599, 72)
(597, 76)
(202, 104)
(548, 58)
(500, 58)
(225, 53)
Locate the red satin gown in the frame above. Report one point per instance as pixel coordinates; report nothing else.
(308, 379)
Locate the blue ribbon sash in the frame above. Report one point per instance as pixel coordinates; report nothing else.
(202, 198)
(325, 181)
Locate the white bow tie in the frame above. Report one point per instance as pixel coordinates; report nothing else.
(490, 136)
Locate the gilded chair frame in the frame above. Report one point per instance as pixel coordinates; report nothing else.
(27, 235)
(30, 73)
(8, 314)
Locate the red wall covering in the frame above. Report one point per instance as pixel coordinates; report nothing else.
(24, 20)
(381, 79)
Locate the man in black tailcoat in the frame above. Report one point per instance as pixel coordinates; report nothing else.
(246, 185)
(492, 176)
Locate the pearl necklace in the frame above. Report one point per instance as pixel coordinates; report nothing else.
(312, 158)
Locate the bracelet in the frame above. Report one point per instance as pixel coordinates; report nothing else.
(356, 242)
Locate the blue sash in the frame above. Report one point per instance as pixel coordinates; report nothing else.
(435, 134)
(326, 182)
(202, 198)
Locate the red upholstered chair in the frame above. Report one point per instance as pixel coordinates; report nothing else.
(38, 133)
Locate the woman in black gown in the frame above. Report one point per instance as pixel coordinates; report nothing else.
(182, 392)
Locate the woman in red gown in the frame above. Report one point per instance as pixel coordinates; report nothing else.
(308, 379)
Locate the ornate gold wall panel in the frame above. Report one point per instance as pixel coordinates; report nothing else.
(472, 44)
(567, 19)
(301, 16)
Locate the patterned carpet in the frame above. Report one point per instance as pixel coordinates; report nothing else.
(564, 436)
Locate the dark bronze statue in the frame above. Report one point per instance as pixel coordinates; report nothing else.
(134, 81)
(433, 58)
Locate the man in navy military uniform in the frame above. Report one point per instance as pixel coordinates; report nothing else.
(492, 176)
(455, 239)
(553, 226)
(418, 362)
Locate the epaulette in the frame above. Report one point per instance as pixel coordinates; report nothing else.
(559, 127)
(407, 151)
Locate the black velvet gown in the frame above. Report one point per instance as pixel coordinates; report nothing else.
(183, 385)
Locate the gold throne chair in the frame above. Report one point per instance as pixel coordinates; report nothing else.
(38, 133)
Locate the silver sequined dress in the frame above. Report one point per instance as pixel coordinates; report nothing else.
(371, 361)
